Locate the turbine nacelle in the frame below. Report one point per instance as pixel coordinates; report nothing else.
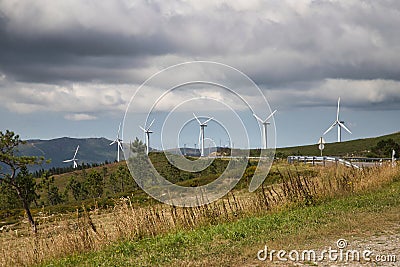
(201, 134)
(265, 123)
(74, 159)
(147, 132)
(202, 124)
(118, 141)
(338, 123)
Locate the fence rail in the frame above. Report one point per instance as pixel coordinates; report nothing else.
(315, 160)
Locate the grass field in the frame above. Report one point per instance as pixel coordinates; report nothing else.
(237, 243)
(297, 201)
(298, 205)
(358, 147)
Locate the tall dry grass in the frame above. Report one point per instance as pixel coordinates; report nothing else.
(95, 229)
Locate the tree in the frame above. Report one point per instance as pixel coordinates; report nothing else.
(78, 189)
(52, 193)
(114, 183)
(27, 183)
(140, 164)
(8, 198)
(384, 148)
(95, 184)
(15, 174)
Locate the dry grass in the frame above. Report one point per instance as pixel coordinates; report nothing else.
(95, 229)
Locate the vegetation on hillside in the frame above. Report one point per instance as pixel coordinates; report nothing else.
(106, 205)
(356, 148)
(236, 243)
(93, 230)
(100, 184)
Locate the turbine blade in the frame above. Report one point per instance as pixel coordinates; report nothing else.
(196, 118)
(258, 118)
(68, 160)
(113, 142)
(120, 146)
(272, 114)
(76, 151)
(148, 128)
(342, 125)
(143, 129)
(330, 128)
(208, 120)
(338, 109)
(75, 164)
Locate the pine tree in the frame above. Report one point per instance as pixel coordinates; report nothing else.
(15, 175)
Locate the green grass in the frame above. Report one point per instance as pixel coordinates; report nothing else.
(239, 241)
(357, 147)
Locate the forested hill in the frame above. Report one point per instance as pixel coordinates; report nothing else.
(98, 150)
(91, 150)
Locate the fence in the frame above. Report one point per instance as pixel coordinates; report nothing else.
(321, 160)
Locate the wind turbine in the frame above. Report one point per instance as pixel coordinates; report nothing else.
(201, 137)
(118, 141)
(74, 160)
(339, 123)
(147, 132)
(265, 123)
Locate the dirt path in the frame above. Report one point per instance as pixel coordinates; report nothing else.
(384, 250)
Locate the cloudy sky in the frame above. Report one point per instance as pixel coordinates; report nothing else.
(70, 67)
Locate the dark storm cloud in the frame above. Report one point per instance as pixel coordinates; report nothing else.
(44, 57)
(357, 40)
(293, 48)
(341, 40)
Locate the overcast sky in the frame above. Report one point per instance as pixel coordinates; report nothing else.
(70, 67)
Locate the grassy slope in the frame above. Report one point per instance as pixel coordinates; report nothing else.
(61, 180)
(357, 147)
(237, 243)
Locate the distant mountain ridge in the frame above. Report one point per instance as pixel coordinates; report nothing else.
(91, 150)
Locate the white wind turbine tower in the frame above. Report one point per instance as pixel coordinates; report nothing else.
(201, 139)
(339, 123)
(74, 159)
(147, 132)
(265, 123)
(118, 141)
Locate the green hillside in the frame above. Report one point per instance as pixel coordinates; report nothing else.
(98, 150)
(91, 150)
(356, 147)
(359, 147)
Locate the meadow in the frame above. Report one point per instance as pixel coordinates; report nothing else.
(293, 200)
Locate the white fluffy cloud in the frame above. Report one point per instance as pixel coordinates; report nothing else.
(80, 117)
(79, 97)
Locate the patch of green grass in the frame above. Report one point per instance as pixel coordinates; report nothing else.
(210, 245)
(359, 147)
